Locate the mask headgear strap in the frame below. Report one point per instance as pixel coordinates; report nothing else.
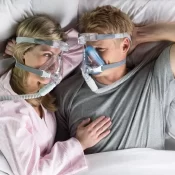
(52, 43)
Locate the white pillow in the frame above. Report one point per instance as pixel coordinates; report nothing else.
(140, 11)
(14, 11)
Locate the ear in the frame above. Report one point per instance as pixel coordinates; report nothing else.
(126, 45)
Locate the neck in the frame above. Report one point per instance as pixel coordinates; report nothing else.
(114, 75)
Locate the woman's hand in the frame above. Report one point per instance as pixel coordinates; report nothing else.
(9, 50)
(90, 134)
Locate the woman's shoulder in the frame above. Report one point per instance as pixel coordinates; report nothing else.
(14, 110)
(6, 91)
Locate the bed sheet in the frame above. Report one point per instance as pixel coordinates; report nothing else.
(131, 162)
(124, 162)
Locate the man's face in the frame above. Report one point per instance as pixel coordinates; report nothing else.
(110, 50)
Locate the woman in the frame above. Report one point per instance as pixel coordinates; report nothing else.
(28, 127)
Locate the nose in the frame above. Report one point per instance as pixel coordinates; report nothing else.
(44, 80)
(53, 68)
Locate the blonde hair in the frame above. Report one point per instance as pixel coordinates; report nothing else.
(106, 20)
(40, 27)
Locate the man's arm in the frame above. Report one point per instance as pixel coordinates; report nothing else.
(172, 58)
(155, 32)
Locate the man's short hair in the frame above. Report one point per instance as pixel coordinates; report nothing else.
(106, 20)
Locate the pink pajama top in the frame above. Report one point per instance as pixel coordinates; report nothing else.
(27, 141)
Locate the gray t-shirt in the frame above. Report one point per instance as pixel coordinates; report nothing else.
(138, 105)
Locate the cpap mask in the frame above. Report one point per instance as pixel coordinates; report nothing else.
(93, 64)
(51, 69)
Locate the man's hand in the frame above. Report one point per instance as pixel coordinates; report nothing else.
(154, 32)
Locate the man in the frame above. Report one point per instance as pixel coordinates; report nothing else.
(137, 100)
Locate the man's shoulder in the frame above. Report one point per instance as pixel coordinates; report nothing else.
(166, 58)
(72, 81)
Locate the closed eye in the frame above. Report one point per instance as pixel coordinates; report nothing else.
(100, 49)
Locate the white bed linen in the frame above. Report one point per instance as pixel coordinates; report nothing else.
(131, 162)
(123, 162)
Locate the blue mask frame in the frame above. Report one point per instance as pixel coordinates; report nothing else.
(101, 65)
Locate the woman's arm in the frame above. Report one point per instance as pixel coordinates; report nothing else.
(24, 156)
(23, 153)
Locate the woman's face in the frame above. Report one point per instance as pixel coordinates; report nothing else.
(35, 58)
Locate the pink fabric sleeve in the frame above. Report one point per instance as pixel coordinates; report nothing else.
(23, 155)
(74, 56)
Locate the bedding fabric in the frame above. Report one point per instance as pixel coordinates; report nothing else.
(131, 162)
(125, 162)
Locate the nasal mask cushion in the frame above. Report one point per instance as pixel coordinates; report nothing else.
(95, 64)
(93, 57)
